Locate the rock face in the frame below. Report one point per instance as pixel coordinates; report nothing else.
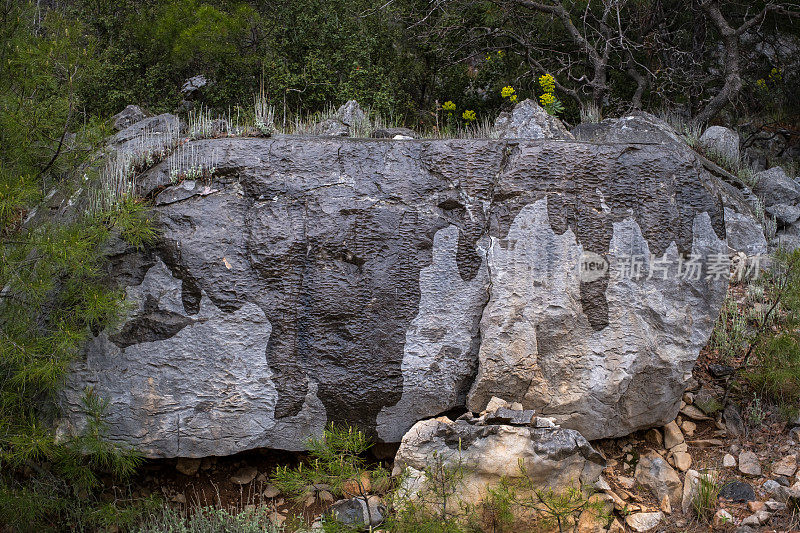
(552, 457)
(722, 141)
(744, 233)
(528, 120)
(377, 283)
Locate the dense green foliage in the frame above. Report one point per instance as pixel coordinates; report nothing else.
(52, 274)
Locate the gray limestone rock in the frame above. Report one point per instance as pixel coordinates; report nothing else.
(785, 214)
(655, 474)
(528, 120)
(744, 233)
(378, 283)
(721, 142)
(555, 458)
(775, 187)
(128, 117)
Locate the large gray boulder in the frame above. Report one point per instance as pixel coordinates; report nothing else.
(552, 458)
(528, 120)
(721, 142)
(775, 187)
(378, 283)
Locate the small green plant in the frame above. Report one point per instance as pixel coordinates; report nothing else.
(755, 412)
(730, 331)
(591, 114)
(704, 500)
(209, 520)
(335, 469)
(469, 116)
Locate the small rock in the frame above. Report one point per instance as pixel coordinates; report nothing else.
(690, 483)
(664, 505)
(748, 464)
(688, 398)
(721, 142)
(680, 448)
(194, 84)
(640, 522)
(511, 417)
(391, 133)
(774, 506)
(756, 506)
(244, 475)
(626, 482)
(785, 467)
(694, 413)
(271, 491)
(729, 461)
(355, 512)
(772, 487)
(756, 519)
(653, 438)
(672, 435)
(722, 518)
(733, 420)
(543, 422)
(188, 466)
(720, 371)
(602, 485)
(689, 428)
(128, 117)
(653, 473)
(683, 461)
(494, 404)
(737, 491)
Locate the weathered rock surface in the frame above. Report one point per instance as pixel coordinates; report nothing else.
(528, 120)
(722, 141)
(744, 233)
(128, 117)
(775, 187)
(151, 133)
(347, 117)
(653, 473)
(553, 457)
(377, 283)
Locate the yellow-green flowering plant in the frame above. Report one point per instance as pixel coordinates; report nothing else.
(509, 93)
(469, 115)
(548, 99)
(449, 106)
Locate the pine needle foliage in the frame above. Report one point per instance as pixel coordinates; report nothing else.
(53, 287)
(336, 468)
